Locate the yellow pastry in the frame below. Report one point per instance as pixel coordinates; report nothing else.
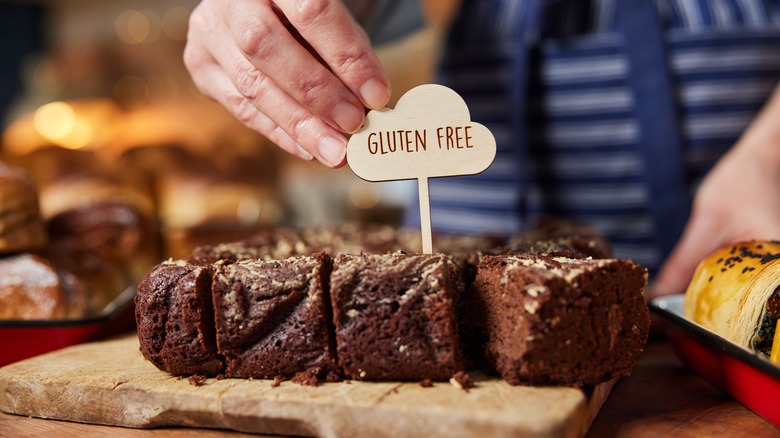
(735, 293)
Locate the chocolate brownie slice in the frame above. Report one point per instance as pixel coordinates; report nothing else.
(560, 321)
(275, 244)
(549, 248)
(354, 238)
(175, 319)
(551, 234)
(272, 317)
(394, 316)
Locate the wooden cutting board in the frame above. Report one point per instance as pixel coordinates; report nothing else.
(111, 383)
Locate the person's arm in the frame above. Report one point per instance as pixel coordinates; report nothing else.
(302, 88)
(738, 200)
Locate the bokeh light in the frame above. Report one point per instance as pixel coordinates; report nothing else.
(136, 27)
(364, 195)
(58, 123)
(174, 23)
(54, 120)
(248, 211)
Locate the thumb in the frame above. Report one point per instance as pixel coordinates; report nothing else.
(700, 238)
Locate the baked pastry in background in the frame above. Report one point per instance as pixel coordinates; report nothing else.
(21, 226)
(735, 292)
(32, 288)
(100, 219)
(93, 116)
(57, 172)
(97, 202)
(114, 221)
(82, 221)
(101, 231)
(201, 206)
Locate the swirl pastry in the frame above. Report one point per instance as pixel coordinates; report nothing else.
(735, 292)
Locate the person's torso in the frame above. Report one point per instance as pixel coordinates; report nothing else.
(554, 82)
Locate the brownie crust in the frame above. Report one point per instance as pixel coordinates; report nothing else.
(560, 321)
(272, 317)
(394, 316)
(175, 319)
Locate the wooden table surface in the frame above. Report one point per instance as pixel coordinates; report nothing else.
(661, 398)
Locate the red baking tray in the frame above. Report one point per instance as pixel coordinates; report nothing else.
(749, 378)
(20, 339)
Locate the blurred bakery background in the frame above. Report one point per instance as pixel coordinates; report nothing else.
(98, 89)
(131, 165)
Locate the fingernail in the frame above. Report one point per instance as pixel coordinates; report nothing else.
(332, 151)
(348, 117)
(303, 153)
(375, 93)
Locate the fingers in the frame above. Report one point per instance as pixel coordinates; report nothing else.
(732, 204)
(279, 87)
(302, 127)
(247, 113)
(223, 73)
(214, 82)
(266, 43)
(700, 238)
(333, 33)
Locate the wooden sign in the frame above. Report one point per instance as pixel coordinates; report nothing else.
(429, 134)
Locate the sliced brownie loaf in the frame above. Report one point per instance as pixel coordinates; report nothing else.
(175, 319)
(272, 317)
(560, 321)
(394, 316)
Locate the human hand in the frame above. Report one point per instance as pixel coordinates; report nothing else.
(738, 200)
(299, 72)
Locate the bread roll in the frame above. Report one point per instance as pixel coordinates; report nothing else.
(734, 293)
(32, 288)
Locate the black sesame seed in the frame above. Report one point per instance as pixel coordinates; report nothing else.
(769, 257)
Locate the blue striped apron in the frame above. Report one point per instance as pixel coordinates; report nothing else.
(558, 82)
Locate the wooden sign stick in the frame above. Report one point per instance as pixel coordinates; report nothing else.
(425, 215)
(429, 134)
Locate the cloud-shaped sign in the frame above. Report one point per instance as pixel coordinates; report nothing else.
(428, 134)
